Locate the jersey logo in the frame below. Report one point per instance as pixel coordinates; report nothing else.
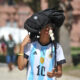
(42, 60)
(35, 53)
(51, 54)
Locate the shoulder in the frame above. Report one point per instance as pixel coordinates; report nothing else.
(59, 48)
(30, 45)
(59, 45)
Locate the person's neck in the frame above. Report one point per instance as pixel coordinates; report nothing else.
(44, 41)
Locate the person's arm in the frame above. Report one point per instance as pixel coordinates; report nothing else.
(60, 60)
(58, 73)
(21, 60)
(55, 73)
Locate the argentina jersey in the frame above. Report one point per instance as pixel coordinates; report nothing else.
(41, 60)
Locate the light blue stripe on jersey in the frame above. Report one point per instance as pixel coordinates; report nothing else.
(32, 62)
(51, 65)
(43, 49)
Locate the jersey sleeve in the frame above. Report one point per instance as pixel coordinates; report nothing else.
(59, 55)
(27, 50)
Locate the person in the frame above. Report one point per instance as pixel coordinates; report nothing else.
(44, 64)
(3, 46)
(10, 56)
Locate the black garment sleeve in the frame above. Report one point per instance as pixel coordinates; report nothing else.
(26, 56)
(61, 62)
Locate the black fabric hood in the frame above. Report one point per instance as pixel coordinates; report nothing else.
(40, 19)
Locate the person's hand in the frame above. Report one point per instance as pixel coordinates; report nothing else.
(26, 40)
(51, 74)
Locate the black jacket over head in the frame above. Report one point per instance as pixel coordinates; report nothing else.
(40, 19)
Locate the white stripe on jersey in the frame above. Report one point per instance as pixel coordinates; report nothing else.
(47, 60)
(42, 65)
(29, 70)
(36, 62)
(31, 59)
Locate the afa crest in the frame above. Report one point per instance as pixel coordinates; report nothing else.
(42, 60)
(50, 55)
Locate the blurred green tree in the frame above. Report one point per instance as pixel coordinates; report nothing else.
(36, 3)
(54, 3)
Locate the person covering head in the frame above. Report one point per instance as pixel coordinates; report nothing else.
(45, 58)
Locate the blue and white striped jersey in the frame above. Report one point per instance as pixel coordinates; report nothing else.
(42, 59)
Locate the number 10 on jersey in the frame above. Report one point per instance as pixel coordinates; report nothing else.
(41, 70)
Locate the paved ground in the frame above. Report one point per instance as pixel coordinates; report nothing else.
(21, 75)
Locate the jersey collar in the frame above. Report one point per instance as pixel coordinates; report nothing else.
(43, 44)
